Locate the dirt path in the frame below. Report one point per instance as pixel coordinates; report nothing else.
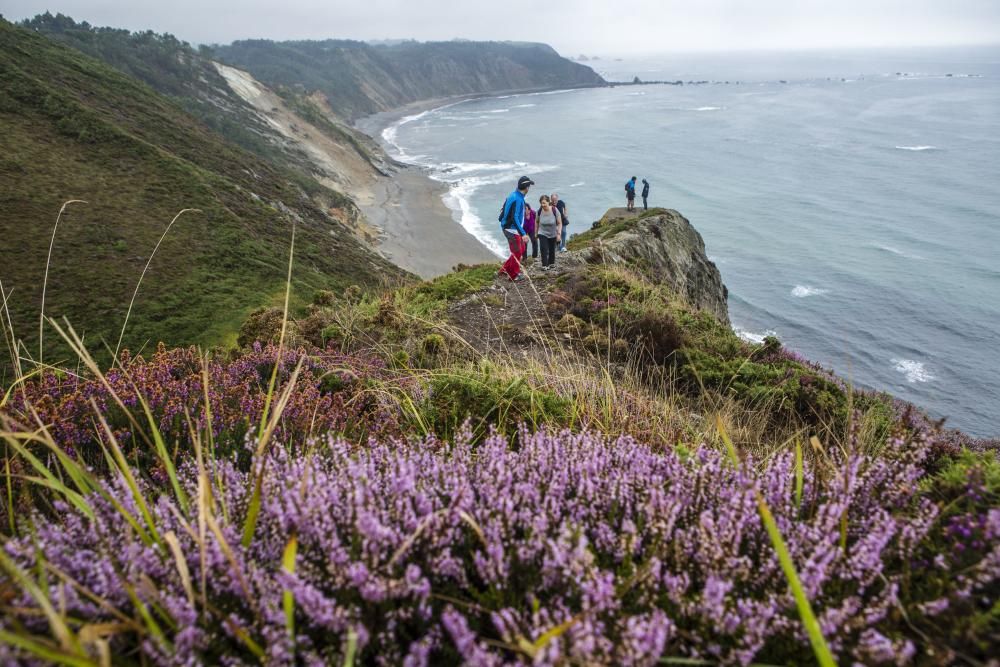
(511, 317)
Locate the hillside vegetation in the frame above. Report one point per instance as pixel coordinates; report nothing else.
(75, 128)
(586, 466)
(359, 79)
(578, 467)
(191, 78)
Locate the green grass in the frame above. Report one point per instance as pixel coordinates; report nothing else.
(433, 297)
(75, 128)
(609, 228)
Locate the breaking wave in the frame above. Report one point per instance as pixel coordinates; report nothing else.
(751, 337)
(802, 291)
(914, 371)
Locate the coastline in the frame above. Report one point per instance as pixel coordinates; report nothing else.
(373, 124)
(419, 231)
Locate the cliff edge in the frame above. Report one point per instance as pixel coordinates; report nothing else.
(666, 247)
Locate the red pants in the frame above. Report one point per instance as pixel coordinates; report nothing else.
(512, 267)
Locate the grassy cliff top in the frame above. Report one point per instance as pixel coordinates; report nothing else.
(75, 128)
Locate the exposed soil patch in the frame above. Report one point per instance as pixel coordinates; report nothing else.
(511, 316)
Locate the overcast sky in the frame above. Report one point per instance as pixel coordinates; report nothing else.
(572, 26)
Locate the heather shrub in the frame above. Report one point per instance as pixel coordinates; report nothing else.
(331, 394)
(262, 325)
(967, 490)
(565, 549)
(657, 334)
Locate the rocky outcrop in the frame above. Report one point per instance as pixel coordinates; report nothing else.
(665, 246)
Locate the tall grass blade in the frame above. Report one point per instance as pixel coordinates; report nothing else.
(263, 433)
(44, 651)
(182, 569)
(143, 275)
(10, 496)
(162, 453)
(123, 467)
(798, 475)
(45, 280)
(820, 648)
(350, 652)
(48, 479)
(281, 341)
(287, 597)
(57, 625)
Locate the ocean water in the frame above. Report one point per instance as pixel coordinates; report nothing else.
(851, 201)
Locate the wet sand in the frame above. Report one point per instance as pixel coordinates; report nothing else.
(418, 232)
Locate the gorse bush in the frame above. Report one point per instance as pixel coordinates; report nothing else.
(569, 548)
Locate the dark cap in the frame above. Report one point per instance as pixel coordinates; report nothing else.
(524, 182)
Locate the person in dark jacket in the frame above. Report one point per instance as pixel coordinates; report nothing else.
(645, 194)
(630, 194)
(560, 205)
(512, 226)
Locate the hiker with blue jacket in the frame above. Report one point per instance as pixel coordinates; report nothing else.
(512, 225)
(630, 194)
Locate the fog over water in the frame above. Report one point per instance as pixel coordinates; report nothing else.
(572, 26)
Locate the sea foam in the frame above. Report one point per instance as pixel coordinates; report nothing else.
(917, 148)
(802, 291)
(465, 178)
(751, 337)
(915, 371)
(895, 251)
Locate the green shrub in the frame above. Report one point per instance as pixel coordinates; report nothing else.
(434, 296)
(433, 344)
(485, 399)
(324, 298)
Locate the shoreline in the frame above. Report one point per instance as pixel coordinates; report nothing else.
(374, 124)
(420, 232)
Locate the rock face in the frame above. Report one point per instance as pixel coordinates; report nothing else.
(665, 246)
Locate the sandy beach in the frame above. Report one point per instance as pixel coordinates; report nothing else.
(419, 233)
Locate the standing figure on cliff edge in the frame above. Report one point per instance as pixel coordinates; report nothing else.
(512, 225)
(645, 194)
(630, 194)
